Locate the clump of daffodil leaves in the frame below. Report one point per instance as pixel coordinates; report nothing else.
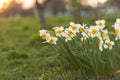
(91, 50)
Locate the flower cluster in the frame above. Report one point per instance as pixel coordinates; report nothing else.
(96, 31)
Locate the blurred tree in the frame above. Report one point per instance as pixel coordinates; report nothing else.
(117, 3)
(114, 3)
(40, 9)
(14, 8)
(60, 6)
(76, 7)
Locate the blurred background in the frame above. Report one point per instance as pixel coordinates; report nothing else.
(74, 8)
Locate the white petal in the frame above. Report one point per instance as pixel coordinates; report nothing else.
(105, 46)
(72, 23)
(101, 49)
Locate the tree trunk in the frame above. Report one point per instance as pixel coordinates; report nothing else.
(40, 9)
(42, 18)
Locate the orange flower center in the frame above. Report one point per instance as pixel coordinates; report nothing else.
(43, 36)
(104, 35)
(94, 31)
(99, 43)
(74, 27)
(81, 29)
(100, 24)
(58, 31)
(117, 31)
(70, 33)
(52, 40)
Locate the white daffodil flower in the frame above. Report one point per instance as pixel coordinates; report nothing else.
(59, 31)
(118, 21)
(94, 31)
(52, 40)
(108, 44)
(117, 33)
(70, 32)
(44, 34)
(100, 24)
(117, 29)
(67, 38)
(104, 34)
(74, 27)
(100, 44)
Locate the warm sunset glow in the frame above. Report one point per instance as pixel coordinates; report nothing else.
(28, 4)
(92, 3)
(4, 1)
(41, 1)
(3, 4)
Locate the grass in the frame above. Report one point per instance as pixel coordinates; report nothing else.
(22, 54)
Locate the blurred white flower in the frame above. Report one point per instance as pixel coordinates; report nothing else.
(117, 29)
(118, 21)
(74, 27)
(108, 44)
(58, 31)
(100, 44)
(82, 27)
(70, 32)
(104, 34)
(94, 31)
(67, 38)
(51, 40)
(100, 24)
(85, 31)
(44, 34)
(117, 33)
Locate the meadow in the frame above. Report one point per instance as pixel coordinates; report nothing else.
(23, 56)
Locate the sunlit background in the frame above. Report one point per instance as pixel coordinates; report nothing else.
(26, 4)
(13, 7)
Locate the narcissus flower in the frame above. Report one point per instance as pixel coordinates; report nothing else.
(108, 44)
(74, 27)
(94, 31)
(58, 31)
(67, 38)
(117, 31)
(100, 44)
(118, 21)
(104, 34)
(51, 40)
(100, 23)
(69, 32)
(82, 28)
(83, 33)
(44, 34)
